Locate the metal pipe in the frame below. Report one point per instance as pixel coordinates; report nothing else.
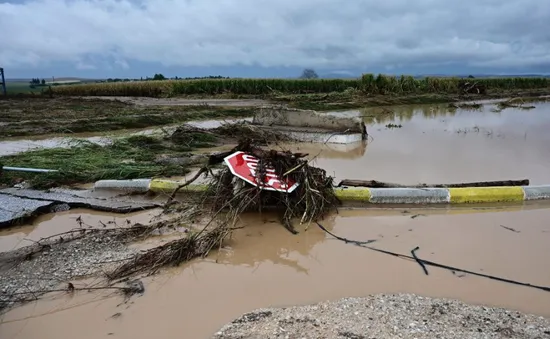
(23, 169)
(3, 81)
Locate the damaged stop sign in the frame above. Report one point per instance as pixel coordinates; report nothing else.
(244, 166)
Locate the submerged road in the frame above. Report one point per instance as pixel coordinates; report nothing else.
(20, 204)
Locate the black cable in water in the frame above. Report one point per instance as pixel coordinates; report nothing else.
(418, 260)
(422, 262)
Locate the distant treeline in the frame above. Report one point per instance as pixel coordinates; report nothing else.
(162, 77)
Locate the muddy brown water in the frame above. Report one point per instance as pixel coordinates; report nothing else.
(51, 224)
(435, 145)
(264, 265)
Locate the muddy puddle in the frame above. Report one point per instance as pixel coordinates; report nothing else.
(56, 223)
(265, 265)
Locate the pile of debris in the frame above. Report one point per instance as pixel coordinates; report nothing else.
(230, 132)
(471, 87)
(519, 103)
(254, 179)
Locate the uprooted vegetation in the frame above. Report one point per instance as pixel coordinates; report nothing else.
(524, 103)
(227, 197)
(217, 210)
(465, 106)
(229, 132)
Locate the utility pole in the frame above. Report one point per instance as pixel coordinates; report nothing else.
(3, 81)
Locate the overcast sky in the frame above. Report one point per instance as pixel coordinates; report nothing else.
(269, 37)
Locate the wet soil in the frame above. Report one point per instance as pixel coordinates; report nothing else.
(40, 115)
(142, 101)
(16, 145)
(352, 99)
(266, 266)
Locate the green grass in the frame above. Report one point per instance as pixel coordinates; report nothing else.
(20, 88)
(127, 158)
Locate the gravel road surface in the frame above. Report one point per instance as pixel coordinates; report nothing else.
(385, 317)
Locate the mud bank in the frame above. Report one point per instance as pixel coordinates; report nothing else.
(306, 268)
(42, 115)
(142, 101)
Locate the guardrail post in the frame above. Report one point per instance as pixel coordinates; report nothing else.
(3, 81)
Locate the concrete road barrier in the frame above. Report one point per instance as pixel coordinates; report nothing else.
(291, 117)
(371, 195)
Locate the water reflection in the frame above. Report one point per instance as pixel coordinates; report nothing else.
(264, 239)
(404, 113)
(440, 145)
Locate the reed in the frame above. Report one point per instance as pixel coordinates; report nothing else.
(367, 84)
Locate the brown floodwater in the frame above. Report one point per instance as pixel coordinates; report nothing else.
(56, 223)
(264, 265)
(437, 145)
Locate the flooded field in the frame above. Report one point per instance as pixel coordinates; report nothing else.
(416, 143)
(265, 265)
(434, 145)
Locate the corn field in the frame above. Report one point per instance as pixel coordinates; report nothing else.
(367, 84)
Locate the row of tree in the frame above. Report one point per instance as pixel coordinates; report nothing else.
(37, 81)
(308, 73)
(162, 77)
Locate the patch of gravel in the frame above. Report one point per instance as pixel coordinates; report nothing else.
(24, 276)
(385, 317)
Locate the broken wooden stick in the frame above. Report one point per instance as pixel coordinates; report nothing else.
(381, 184)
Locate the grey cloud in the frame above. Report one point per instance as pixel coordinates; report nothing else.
(273, 33)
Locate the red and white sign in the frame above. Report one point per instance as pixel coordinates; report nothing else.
(244, 166)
